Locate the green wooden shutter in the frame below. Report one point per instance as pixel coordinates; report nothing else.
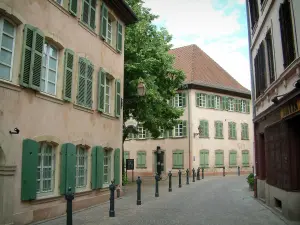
(219, 158)
(232, 158)
(224, 103)
(202, 159)
(36, 59)
(183, 99)
(197, 99)
(247, 106)
(73, 7)
(119, 37)
(29, 169)
(180, 159)
(92, 14)
(100, 166)
(213, 103)
(206, 129)
(243, 131)
(175, 163)
(208, 97)
(246, 131)
(234, 130)
(117, 167)
(118, 98)
(68, 74)
(81, 96)
(237, 105)
(89, 85)
(245, 158)
(104, 19)
(206, 159)
(101, 89)
(172, 102)
(26, 55)
(94, 168)
(144, 159)
(184, 128)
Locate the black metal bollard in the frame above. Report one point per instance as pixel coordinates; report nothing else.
(202, 173)
(193, 175)
(187, 176)
(157, 178)
(198, 173)
(112, 188)
(223, 171)
(239, 171)
(138, 182)
(69, 197)
(179, 175)
(170, 181)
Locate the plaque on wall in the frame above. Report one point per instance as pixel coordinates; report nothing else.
(129, 164)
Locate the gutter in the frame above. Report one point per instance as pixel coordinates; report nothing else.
(190, 133)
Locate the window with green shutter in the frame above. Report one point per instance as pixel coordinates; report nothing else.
(218, 129)
(68, 74)
(204, 129)
(245, 158)
(85, 83)
(73, 7)
(180, 130)
(32, 57)
(219, 158)
(232, 130)
(247, 106)
(232, 158)
(178, 159)
(141, 159)
(104, 21)
(179, 100)
(245, 131)
(204, 158)
(105, 82)
(119, 37)
(97, 167)
(88, 16)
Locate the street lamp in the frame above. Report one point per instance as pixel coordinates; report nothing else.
(199, 131)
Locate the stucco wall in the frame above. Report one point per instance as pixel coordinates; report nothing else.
(36, 114)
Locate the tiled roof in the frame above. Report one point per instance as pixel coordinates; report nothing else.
(199, 68)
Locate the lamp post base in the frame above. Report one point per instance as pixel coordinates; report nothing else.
(138, 202)
(156, 195)
(111, 213)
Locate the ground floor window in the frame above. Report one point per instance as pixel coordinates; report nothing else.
(107, 167)
(81, 167)
(141, 159)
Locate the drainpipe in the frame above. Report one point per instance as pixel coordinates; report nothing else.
(189, 119)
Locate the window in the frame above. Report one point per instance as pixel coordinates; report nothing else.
(219, 160)
(141, 160)
(142, 132)
(253, 12)
(243, 106)
(260, 70)
(178, 159)
(59, 2)
(287, 33)
(161, 131)
(180, 129)
(201, 100)
(210, 101)
(245, 132)
(89, 13)
(232, 130)
(232, 158)
(81, 167)
(45, 169)
(230, 104)
(49, 72)
(85, 83)
(109, 31)
(179, 100)
(204, 157)
(107, 95)
(245, 158)
(106, 167)
(270, 56)
(219, 129)
(7, 43)
(217, 102)
(204, 129)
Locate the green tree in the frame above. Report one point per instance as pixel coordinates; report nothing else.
(147, 59)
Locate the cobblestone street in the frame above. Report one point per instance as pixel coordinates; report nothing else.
(213, 201)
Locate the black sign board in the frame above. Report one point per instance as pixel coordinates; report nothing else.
(129, 164)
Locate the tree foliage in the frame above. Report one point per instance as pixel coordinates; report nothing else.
(147, 59)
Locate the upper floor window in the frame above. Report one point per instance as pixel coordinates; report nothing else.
(7, 42)
(45, 168)
(260, 70)
(217, 102)
(179, 100)
(89, 13)
(243, 106)
(161, 131)
(287, 33)
(180, 129)
(253, 12)
(270, 56)
(204, 129)
(49, 72)
(232, 130)
(142, 132)
(245, 131)
(230, 104)
(81, 167)
(107, 95)
(219, 129)
(201, 100)
(109, 31)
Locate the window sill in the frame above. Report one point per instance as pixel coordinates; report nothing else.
(245, 139)
(204, 137)
(109, 46)
(10, 85)
(141, 167)
(86, 27)
(232, 166)
(109, 116)
(82, 108)
(46, 199)
(219, 138)
(60, 7)
(245, 165)
(205, 167)
(178, 137)
(177, 167)
(219, 166)
(234, 139)
(49, 98)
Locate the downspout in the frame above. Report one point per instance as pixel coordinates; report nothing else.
(190, 134)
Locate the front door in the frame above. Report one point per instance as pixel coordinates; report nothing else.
(162, 162)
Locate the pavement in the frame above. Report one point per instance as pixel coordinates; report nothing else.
(212, 201)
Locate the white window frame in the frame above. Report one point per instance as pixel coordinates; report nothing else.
(217, 102)
(13, 47)
(243, 106)
(178, 101)
(107, 154)
(142, 132)
(80, 166)
(202, 100)
(230, 104)
(109, 31)
(178, 131)
(107, 86)
(47, 68)
(62, 2)
(40, 166)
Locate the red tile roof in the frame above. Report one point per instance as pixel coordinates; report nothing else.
(200, 69)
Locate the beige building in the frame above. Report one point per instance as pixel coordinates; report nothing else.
(61, 83)
(217, 103)
(274, 58)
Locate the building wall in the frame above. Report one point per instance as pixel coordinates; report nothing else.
(42, 117)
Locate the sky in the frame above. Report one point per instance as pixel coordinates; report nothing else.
(218, 27)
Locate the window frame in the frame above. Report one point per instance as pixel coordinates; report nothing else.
(230, 130)
(202, 100)
(2, 19)
(216, 130)
(178, 129)
(217, 102)
(178, 100)
(109, 39)
(230, 104)
(243, 106)
(142, 132)
(85, 160)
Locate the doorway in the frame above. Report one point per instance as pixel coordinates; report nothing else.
(163, 169)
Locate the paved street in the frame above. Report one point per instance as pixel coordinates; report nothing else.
(212, 201)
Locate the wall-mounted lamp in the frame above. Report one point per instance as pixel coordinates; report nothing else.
(16, 131)
(297, 84)
(199, 132)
